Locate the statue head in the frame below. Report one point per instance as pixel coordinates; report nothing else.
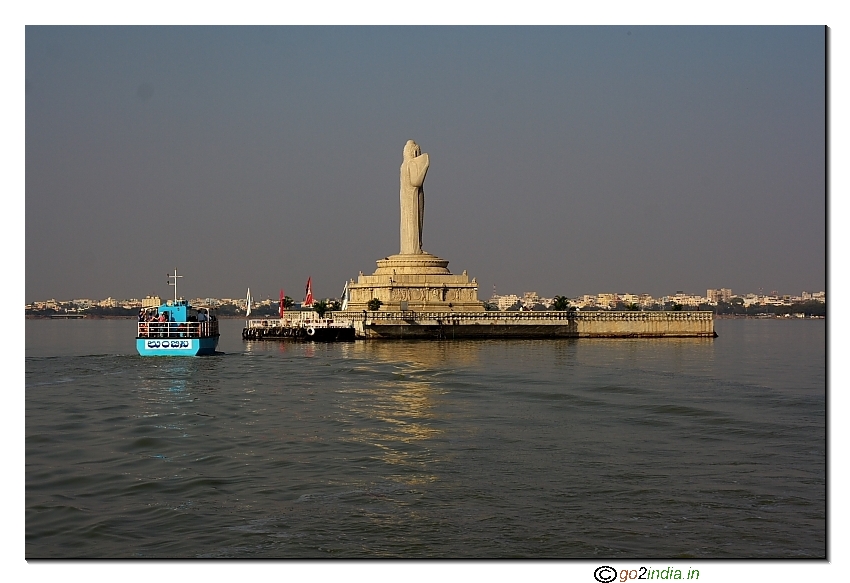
(411, 150)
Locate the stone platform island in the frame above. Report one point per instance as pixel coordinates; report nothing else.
(412, 324)
(414, 295)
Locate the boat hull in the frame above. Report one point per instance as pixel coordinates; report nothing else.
(176, 346)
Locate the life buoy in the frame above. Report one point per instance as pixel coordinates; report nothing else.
(311, 331)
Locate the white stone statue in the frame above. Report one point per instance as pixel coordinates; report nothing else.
(413, 170)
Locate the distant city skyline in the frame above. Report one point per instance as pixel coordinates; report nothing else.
(720, 292)
(563, 159)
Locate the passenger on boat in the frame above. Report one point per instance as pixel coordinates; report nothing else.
(143, 323)
(163, 329)
(202, 322)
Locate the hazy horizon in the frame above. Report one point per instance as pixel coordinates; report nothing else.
(564, 160)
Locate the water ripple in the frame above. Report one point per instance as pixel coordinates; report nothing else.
(562, 449)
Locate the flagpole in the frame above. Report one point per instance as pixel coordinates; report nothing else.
(175, 276)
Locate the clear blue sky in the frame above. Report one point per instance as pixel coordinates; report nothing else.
(565, 160)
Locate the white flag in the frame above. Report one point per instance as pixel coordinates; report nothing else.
(344, 297)
(248, 304)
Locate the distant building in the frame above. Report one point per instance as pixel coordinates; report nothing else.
(773, 300)
(719, 295)
(816, 296)
(151, 302)
(505, 302)
(530, 298)
(585, 301)
(606, 300)
(629, 299)
(685, 299)
(750, 299)
(646, 300)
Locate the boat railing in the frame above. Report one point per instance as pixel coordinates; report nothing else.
(155, 329)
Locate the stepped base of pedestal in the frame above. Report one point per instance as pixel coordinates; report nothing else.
(419, 282)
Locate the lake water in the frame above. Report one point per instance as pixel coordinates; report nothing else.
(689, 448)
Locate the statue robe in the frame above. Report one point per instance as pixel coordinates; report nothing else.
(413, 172)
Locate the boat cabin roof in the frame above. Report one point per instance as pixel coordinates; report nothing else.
(178, 311)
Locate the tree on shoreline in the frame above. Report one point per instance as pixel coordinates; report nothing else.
(321, 308)
(560, 303)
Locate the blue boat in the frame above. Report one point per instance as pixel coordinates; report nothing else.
(177, 329)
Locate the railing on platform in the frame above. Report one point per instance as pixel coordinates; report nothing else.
(494, 316)
(178, 329)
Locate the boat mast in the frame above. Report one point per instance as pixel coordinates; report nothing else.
(175, 276)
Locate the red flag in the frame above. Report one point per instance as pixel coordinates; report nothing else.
(282, 306)
(308, 299)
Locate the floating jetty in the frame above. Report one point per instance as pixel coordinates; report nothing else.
(301, 326)
(455, 325)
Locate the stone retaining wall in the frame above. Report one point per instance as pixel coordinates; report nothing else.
(530, 324)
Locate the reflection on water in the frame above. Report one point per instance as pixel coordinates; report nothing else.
(392, 400)
(396, 401)
(421, 353)
(171, 379)
(167, 394)
(395, 417)
(387, 400)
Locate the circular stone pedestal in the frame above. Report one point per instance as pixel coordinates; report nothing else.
(412, 264)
